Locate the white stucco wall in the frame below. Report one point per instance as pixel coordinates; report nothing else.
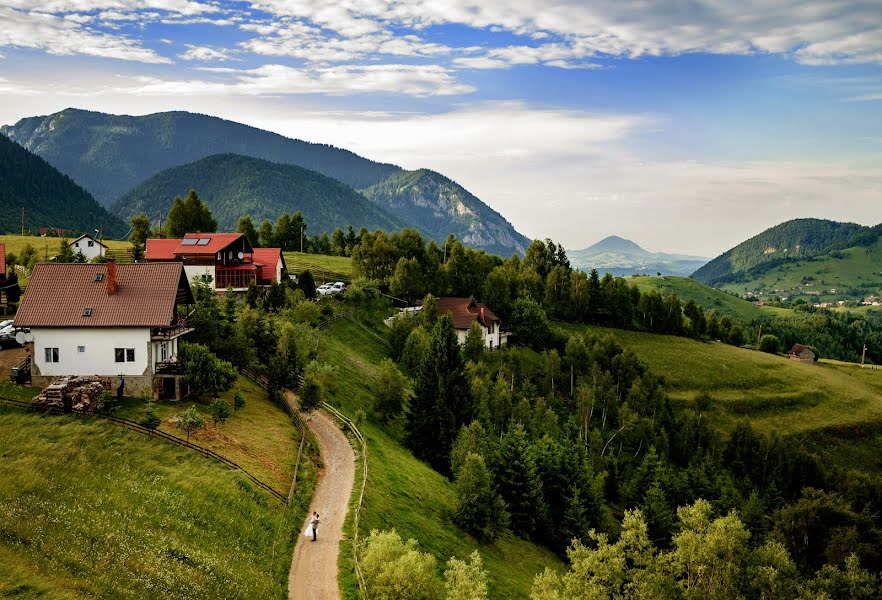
(491, 340)
(198, 271)
(89, 252)
(171, 350)
(98, 357)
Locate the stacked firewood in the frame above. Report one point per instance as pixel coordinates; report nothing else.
(72, 394)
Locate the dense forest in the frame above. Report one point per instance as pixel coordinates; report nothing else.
(50, 198)
(233, 185)
(799, 238)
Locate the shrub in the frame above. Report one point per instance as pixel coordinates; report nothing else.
(151, 420)
(190, 421)
(770, 344)
(395, 569)
(220, 410)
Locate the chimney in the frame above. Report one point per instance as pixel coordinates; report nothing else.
(483, 319)
(111, 277)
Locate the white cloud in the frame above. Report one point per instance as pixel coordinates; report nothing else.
(184, 7)
(204, 54)
(57, 35)
(342, 80)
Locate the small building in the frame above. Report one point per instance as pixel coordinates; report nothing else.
(89, 246)
(466, 311)
(113, 321)
(223, 260)
(802, 353)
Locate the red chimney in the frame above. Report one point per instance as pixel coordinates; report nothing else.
(483, 319)
(111, 277)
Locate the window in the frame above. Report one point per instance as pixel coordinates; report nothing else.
(99, 276)
(124, 354)
(51, 355)
(87, 312)
(189, 242)
(81, 349)
(90, 243)
(76, 244)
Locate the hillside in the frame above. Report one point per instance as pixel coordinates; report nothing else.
(109, 155)
(439, 206)
(619, 256)
(851, 274)
(233, 185)
(50, 198)
(709, 298)
(799, 238)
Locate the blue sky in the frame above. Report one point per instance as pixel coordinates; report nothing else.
(684, 126)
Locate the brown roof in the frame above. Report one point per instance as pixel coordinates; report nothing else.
(57, 295)
(799, 349)
(464, 312)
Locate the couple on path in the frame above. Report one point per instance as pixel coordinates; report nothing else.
(312, 526)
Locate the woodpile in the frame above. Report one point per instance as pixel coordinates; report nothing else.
(72, 394)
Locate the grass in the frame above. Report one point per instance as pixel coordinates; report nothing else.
(404, 493)
(709, 298)
(88, 509)
(45, 246)
(856, 275)
(323, 268)
(259, 436)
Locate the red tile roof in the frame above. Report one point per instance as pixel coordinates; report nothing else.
(464, 312)
(146, 295)
(217, 242)
(3, 260)
(161, 249)
(267, 259)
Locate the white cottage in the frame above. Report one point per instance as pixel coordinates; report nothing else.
(114, 321)
(89, 246)
(465, 311)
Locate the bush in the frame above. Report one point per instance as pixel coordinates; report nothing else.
(770, 344)
(190, 421)
(151, 420)
(205, 372)
(395, 569)
(220, 410)
(238, 400)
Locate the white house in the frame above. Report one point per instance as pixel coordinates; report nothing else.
(89, 246)
(114, 321)
(466, 311)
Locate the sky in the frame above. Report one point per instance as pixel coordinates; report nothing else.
(686, 126)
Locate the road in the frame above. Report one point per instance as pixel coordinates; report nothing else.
(313, 573)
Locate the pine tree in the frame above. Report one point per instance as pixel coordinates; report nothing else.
(442, 401)
(480, 510)
(519, 483)
(246, 227)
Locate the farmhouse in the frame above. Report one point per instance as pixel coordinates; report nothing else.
(801, 353)
(466, 311)
(223, 260)
(89, 246)
(114, 321)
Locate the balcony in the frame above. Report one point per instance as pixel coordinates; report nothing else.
(169, 368)
(164, 334)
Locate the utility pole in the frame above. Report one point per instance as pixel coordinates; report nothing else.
(301, 239)
(160, 224)
(863, 356)
(22, 220)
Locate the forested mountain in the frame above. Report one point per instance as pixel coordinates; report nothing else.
(439, 206)
(111, 154)
(50, 198)
(233, 186)
(619, 256)
(799, 238)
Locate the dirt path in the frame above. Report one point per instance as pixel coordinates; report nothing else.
(313, 573)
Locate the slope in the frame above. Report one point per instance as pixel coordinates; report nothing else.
(235, 185)
(404, 493)
(49, 198)
(110, 154)
(439, 206)
(619, 256)
(799, 238)
(709, 298)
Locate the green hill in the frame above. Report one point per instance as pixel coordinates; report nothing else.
(233, 185)
(439, 206)
(850, 274)
(49, 198)
(799, 238)
(709, 298)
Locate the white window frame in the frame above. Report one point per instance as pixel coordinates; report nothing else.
(52, 355)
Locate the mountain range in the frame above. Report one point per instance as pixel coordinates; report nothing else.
(109, 155)
(49, 198)
(618, 256)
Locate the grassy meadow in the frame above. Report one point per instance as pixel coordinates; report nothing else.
(88, 509)
(323, 268)
(46, 246)
(403, 492)
(708, 297)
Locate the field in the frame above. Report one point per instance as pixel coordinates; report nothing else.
(858, 273)
(402, 492)
(323, 268)
(708, 297)
(45, 246)
(88, 509)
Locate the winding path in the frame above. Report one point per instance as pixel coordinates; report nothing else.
(313, 573)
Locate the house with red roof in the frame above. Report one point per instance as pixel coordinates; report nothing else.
(223, 260)
(465, 311)
(114, 321)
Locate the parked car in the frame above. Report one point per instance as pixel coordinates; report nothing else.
(338, 287)
(324, 289)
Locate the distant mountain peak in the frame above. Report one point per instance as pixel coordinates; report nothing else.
(620, 256)
(614, 243)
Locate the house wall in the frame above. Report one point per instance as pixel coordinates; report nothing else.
(89, 252)
(491, 340)
(98, 356)
(171, 349)
(198, 271)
